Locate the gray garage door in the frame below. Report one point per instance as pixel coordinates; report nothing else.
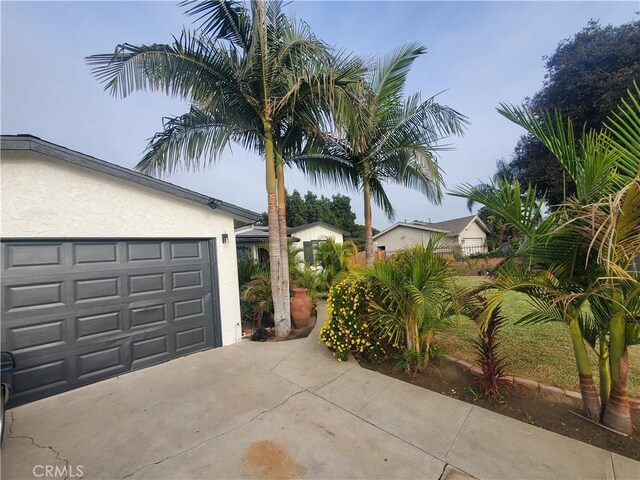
(75, 312)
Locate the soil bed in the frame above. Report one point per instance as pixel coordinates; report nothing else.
(548, 411)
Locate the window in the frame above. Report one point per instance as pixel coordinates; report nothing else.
(310, 251)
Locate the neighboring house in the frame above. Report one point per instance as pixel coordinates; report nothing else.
(252, 242)
(106, 270)
(466, 234)
(311, 234)
(252, 239)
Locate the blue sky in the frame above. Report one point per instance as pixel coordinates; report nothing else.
(479, 54)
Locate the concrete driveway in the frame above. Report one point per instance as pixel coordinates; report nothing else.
(281, 410)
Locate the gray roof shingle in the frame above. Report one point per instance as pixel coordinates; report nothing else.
(455, 226)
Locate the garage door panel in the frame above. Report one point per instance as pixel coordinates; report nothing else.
(145, 252)
(102, 362)
(40, 377)
(89, 327)
(25, 256)
(190, 339)
(147, 283)
(97, 289)
(188, 251)
(106, 307)
(150, 350)
(146, 316)
(31, 296)
(187, 279)
(24, 338)
(96, 254)
(188, 309)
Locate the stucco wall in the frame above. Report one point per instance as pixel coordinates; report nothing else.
(47, 198)
(317, 232)
(473, 230)
(402, 237)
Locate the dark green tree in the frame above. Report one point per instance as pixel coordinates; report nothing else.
(345, 218)
(296, 209)
(336, 211)
(586, 77)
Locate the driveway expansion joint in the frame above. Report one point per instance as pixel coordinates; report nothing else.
(458, 432)
(375, 397)
(58, 455)
(377, 426)
(287, 356)
(333, 379)
(215, 436)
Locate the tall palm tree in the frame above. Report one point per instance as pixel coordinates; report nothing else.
(253, 77)
(574, 265)
(378, 136)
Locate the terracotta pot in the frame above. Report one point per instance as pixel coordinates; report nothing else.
(301, 306)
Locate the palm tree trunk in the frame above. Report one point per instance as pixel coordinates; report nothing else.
(590, 400)
(617, 414)
(280, 316)
(282, 228)
(368, 225)
(605, 374)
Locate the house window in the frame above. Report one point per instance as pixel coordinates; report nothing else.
(310, 251)
(263, 255)
(244, 251)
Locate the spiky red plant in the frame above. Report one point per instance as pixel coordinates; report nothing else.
(490, 361)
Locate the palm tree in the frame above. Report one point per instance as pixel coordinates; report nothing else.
(574, 265)
(253, 77)
(378, 136)
(412, 296)
(333, 258)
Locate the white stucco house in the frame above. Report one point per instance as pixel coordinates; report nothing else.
(251, 239)
(106, 270)
(252, 242)
(466, 234)
(311, 234)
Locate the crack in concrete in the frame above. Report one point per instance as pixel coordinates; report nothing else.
(58, 455)
(215, 436)
(444, 467)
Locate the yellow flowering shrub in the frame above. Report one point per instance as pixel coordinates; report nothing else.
(346, 329)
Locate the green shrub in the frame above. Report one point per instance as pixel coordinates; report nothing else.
(346, 329)
(332, 257)
(410, 296)
(257, 293)
(247, 269)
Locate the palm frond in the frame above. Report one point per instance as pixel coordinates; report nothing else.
(193, 140)
(222, 19)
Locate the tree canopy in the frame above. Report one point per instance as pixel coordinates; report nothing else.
(586, 77)
(311, 208)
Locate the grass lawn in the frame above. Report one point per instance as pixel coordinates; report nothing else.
(542, 352)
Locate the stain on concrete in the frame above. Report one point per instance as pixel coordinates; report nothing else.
(268, 459)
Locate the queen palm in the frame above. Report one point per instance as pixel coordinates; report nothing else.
(379, 136)
(253, 77)
(574, 265)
